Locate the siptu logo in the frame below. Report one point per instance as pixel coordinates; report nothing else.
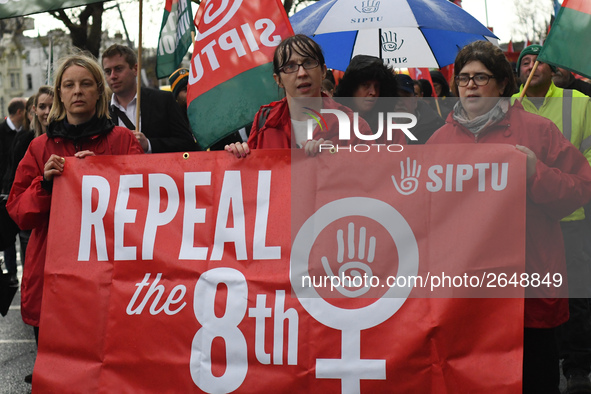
(369, 7)
(409, 181)
(390, 42)
(215, 15)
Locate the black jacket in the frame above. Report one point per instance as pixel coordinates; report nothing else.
(6, 137)
(428, 121)
(163, 122)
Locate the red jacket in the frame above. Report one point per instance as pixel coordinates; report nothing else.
(29, 203)
(561, 184)
(275, 130)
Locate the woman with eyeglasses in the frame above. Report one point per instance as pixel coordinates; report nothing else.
(299, 69)
(558, 182)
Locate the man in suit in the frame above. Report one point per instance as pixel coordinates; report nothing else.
(8, 129)
(163, 127)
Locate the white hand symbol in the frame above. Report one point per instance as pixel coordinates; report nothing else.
(409, 183)
(358, 268)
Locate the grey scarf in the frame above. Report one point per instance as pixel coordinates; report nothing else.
(481, 122)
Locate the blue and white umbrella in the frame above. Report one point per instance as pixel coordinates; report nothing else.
(405, 33)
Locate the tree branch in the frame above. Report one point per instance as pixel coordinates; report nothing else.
(63, 17)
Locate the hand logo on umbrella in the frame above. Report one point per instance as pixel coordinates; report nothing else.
(390, 41)
(369, 7)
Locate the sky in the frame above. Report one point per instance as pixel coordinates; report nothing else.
(500, 16)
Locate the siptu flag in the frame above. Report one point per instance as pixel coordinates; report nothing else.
(175, 36)
(231, 73)
(567, 44)
(12, 8)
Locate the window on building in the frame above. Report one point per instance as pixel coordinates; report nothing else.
(15, 81)
(29, 82)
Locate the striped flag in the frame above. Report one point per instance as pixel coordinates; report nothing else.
(175, 36)
(231, 73)
(567, 45)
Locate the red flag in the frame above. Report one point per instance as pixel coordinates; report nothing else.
(422, 73)
(231, 70)
(510, 46)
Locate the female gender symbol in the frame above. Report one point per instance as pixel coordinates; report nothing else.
(351, 368)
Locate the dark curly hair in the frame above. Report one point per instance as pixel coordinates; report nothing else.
(493, 58)
(367, 68)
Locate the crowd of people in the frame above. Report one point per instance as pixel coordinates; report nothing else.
(93, 109)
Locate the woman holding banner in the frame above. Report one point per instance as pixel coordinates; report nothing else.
(299, 69)
(78, 126)
(558, 182)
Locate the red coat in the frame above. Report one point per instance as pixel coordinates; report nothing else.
(561, 184)
(29, 203)
(275, 131)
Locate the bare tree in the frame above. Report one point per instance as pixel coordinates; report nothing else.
(85, 35)
(85, 23)
(533, 18)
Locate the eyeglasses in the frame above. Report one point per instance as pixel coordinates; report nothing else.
(308, 64)
(479, 79)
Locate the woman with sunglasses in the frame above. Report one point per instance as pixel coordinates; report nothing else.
(558, 182)
(299, 69)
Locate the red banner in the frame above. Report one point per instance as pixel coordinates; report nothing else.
(175, 274)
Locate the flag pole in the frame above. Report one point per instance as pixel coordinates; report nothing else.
(50, 62)
(531, 74)
(139, 68)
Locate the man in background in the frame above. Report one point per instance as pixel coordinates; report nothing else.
(563, 78)
(8, 130)
(178, 81)
(570, 111)
(163, 127)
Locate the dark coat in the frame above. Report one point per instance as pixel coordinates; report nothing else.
(428, 121)
(581, 86)
(163, 122)
(6, 137)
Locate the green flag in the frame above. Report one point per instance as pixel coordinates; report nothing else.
(175, 36)
(12, 8)
(567, 45)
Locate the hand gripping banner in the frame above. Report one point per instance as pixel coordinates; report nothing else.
(187, 274)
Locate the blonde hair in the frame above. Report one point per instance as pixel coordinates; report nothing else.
(48, 90)
(58, 111)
